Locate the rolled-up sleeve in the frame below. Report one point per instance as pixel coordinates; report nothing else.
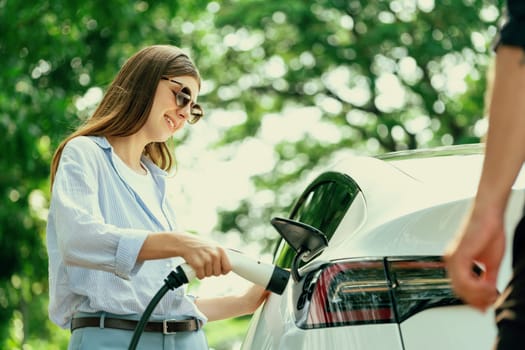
(84, 236)
(126, 257)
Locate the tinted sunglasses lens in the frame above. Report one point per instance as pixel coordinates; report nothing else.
(196, 113)
(183, 98)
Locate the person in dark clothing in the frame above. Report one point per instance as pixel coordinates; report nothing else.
(481, 240)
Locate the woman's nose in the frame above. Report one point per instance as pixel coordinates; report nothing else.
(184, 112)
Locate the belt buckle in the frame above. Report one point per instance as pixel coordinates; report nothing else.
(165, 326)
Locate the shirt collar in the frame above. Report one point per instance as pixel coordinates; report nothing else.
(103, 143)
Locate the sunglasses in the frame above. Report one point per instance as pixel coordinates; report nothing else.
(183, 98)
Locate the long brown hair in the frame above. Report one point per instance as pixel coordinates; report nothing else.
(125, 107)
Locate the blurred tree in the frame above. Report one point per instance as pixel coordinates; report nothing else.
(56, 57)
(380, 76)
(376, 75)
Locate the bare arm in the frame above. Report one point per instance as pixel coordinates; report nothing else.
(232, 306)
(205, 257)
(505, 148)
(482, 237)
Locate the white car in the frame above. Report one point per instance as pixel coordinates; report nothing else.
(378, 281)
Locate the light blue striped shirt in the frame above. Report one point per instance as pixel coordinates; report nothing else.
(96, 227)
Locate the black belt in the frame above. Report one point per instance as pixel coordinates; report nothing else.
(166, 326)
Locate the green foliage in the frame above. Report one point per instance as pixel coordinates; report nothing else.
(390, 75)
(226, 334)
(385, 75)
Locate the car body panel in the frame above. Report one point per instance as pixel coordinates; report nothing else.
(419, 221)
(411, 204)
(453, 327)
(269, 333)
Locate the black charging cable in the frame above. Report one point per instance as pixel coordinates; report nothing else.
(174, 280)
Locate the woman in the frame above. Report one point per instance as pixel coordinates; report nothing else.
(111, 232)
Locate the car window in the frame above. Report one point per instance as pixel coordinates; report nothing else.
(322, 205)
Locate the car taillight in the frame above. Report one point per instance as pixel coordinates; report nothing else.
(373, 291)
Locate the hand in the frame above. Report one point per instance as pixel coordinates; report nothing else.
(206, 258)
(220, 308)
(254, 297)
(481, 240)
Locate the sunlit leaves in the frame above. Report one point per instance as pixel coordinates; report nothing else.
(389, 75)
(289, 85)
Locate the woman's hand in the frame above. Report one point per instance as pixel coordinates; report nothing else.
(253, 298)
(205, 257)
(220, 308)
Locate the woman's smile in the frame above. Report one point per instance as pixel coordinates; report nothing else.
(171, 122)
